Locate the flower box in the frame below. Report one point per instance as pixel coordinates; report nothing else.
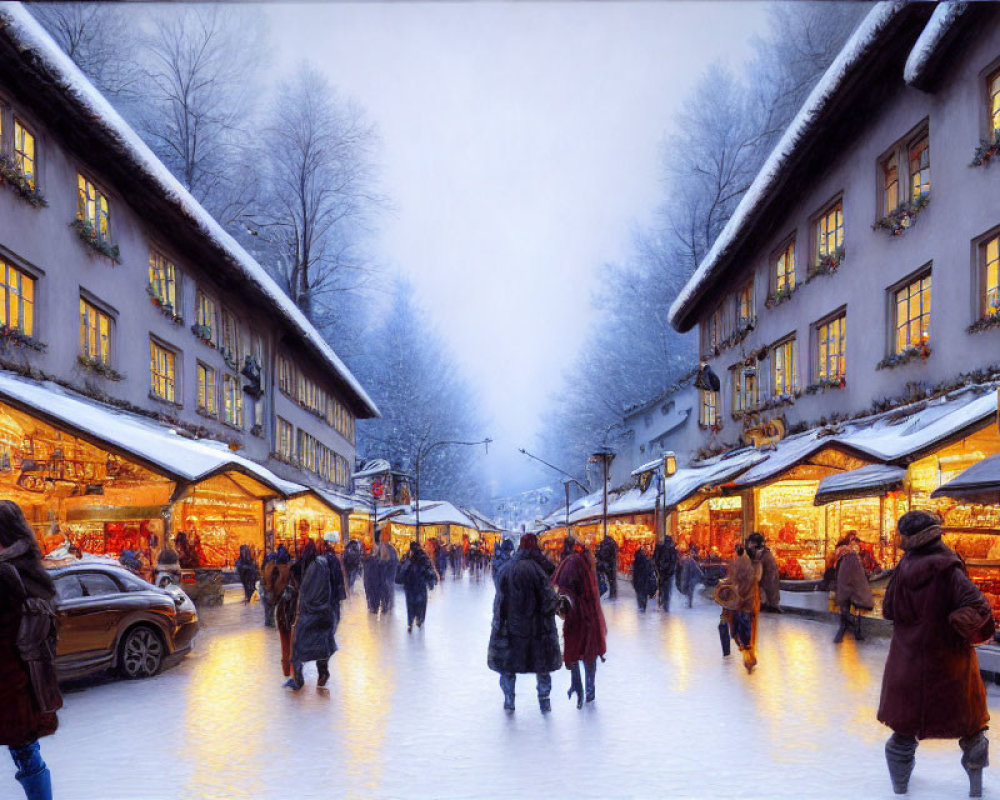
(89, 236)
(826, 383)
(18, 181)
(897, 222)
(100, 367)
(780, 296)
(203, 332)
(828, 264)
(17, 337)
(986, 150)
(921, 350)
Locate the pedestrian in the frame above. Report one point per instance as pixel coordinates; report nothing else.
(501, 558)
(739, 596)
(338, 582)
(352, 562)
(643, 578)
(524, 638)
(267, 600)
(246, 571)
(417, 576)
(584, 627)
(689, 574)
(455, 559)
(278, 579)
(607, 564)
(852, 586)
(129, 558)
(441, 559)
(312, 636)
(770, 583)
(29, 691)
(665, 563)
(931, 687)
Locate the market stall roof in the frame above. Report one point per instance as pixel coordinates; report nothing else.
(437, 513)
(980, 483)
(586, 508)
(151, 443)
(483, 522)
(870, 481)
(689, 480)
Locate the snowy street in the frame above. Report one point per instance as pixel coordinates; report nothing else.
(421, 716)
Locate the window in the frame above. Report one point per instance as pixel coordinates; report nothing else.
(207, 391)
(830, 232)
(744, 306)
(708, 408)
(93, 209)
(784, 269)
(744, 381)
(993, 89)
(784, 373)
(912, 314)
(96, 584)
(286, 376)
(232, 397)
(204, 311)
(162, 372)
(890, 182)
(990, 257)
(96, 328)
(232, 344)
(284, 437)
(17, 299)
(920, 168)
(24, 152)
(162, 280)
(831, 364)
(715, 335)
(317, 457)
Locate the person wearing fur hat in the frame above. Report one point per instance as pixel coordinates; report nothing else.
(524, 637)
(931, 687)
(853, 588)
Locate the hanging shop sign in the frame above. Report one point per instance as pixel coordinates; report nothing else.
(763, 434)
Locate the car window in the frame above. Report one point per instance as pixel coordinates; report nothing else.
(68, 587)
(95, 584)
(133, 583)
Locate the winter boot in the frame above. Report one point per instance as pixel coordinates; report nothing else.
(590, 675)
(858, 635)
(975, 756)
(839, 637)
(507, 684)
(545, 705)
(323, 668)
(899, 757)
(576, 684)
(32, 773)
(297, 681)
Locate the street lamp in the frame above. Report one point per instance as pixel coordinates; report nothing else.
(422, 452)
(566, 481)
(605, 455)
(667, 467)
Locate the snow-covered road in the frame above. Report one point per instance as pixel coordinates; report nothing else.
(421, 716)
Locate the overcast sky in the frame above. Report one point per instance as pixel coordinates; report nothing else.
(521, 146)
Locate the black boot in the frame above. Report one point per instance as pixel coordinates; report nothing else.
(839, 637)
(899, 757)
(858, 636)
(975, 756)
(576, 684)
(590, 673)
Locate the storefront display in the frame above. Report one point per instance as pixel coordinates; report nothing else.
(301, 518)
(793, 527)
(712, 524)
(218, 515)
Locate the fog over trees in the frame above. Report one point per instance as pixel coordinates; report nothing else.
(727, 128)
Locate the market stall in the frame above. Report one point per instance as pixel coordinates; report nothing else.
(304, 516)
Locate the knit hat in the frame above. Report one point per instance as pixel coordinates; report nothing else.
(529, 541)
(913, 522)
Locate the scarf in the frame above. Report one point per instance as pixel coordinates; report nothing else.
(918, 540)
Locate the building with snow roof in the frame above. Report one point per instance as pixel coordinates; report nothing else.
(119, 291)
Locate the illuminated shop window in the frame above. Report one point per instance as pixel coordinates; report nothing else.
(92, 208)
(24, 152)
(96, 329)
(783, 368)
(162, 279)
(830, 232)
(912, 312)
(17, 299)
(162, 372)
(831, 363)
(232, 396)
(207, 390)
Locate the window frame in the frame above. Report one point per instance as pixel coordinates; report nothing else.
(833, 207)
(203, 301)
(784, 283)
(6, 266)
(171, 297)
(745, 300)
(202, 396)
(281, 427)
(17, 121)
(743, 401)
(790, 361)
(232, 400)
(900, 150)
(892, 293)
(111, 316)
(708, 408)
(981, 272)
(992, 118)
(840, 315)
(105, 233)
(169, 379)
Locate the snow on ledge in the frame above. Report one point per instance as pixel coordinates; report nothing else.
(858, 46)
(930, 38)
(32, 39)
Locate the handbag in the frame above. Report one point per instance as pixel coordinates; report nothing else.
(36, 644)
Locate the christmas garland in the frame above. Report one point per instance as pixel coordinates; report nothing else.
(89, 235)
(902, 217)
(991, 320)
(986, 150)
(165, 308)
(100, 367)
(780, 296)
(203, 332)
(18, 338)
(921, 350)
(18, 181)
(826, 383)
(828, 264)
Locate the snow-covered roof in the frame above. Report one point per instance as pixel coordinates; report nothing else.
(979, 483)
(437, 513)
(934, 33)
(483, 522)
(685, 482)
(158, 446)
(867, 481)
(861, 43)
(18, 25)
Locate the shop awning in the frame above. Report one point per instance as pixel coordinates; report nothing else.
(689, 480)
(437, 513)
(980, 483)
(871, 481)
(152, 444)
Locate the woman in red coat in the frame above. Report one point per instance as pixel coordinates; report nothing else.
(931, 688)
(28, 691)
(584, 628)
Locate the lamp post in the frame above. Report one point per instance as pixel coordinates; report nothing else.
(666, 469)
(566, 482)
(422, 453)
(605, 455)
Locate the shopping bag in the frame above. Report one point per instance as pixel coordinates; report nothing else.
(724, 637)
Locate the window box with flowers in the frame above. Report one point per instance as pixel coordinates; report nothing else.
(902, 217)
(778, 400)
(203, 332)
(165, 308)
(714, 427)
(89, 236)
(986, 150)
(230, 358)
(102, 368)
(826, 383)
(15, 336)
(991, 320)
(921, 350)
(779, 296)
(19, 182)
(828, 264)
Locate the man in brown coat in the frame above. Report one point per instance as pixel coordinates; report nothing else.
(852, 586)
(931, 688)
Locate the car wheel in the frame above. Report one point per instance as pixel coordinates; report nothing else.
(141, 653)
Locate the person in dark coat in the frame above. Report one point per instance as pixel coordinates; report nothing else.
(338, 582)
(770, 583)
(388, 563)
(278, 583)
(853, 588)
(931, 687)
(29, 692)
(417, 576)
(456, 559)
(441, 559)
(607, 564)
(688, 575)
(312, 636)
(584, 627)
(504, 553)
(643, 578)
(665, 564)
(352, 562)
(524, 637)
(246, 571)
(267, 600)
